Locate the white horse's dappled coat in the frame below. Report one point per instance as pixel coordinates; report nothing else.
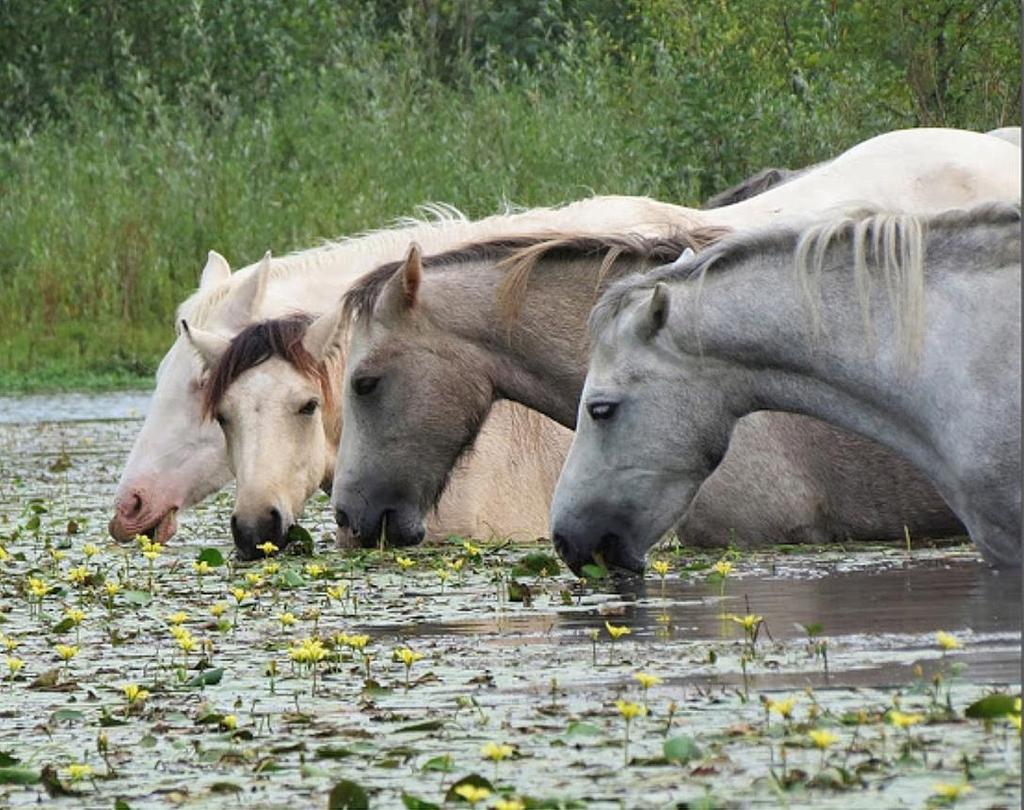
(178, 458)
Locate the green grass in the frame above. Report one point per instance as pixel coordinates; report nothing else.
(106, 218)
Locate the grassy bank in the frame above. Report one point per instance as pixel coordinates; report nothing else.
(107, 210)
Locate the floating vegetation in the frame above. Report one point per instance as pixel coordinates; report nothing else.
(140, 676)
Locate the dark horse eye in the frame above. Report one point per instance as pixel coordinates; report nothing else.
(364, 385)
(602, 410)
(221, 419)
(309, 408)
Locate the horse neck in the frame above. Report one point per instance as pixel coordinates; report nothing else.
(755, 317)
(537, 356)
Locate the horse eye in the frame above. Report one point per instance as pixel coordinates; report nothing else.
(602, 410)
(222, 420)
(364, 385)
(309, 408)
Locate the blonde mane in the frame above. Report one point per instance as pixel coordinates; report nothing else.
(885, 246)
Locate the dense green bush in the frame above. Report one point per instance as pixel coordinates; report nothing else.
(134, 137)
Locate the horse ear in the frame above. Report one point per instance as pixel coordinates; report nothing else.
(403, 288)
(243, 303)
(655, 315)
(216, 271)
(323, 338)
(683, 258)
(210, 346)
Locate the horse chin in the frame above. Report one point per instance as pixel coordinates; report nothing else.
(159, 532)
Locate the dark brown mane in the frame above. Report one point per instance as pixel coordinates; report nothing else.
(519, 255)
(256, 344)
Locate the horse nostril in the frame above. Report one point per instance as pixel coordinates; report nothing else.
(276, 522)
(136, 505)
(341, 518)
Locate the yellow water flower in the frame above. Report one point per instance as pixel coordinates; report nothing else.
(947, 641)
(723, 568)
(357, 642)
(90, 550)
(75, 615)
(443, 575)
(336, 592)
(902, 720)
(405, 563)
(4, 554)
(630, 710)
(645, 680)
(472, 793)
(783, 708)
(268, 548)
(496, 752)
(456, 565)
(134, 693)
(77, 575)
(315, 570)
(407, 656)
(112, 589)
(11, 644)
(253, 579)
(186, 642)
(151, 554)
(661, 567)
(286, 619)
(202, 568)
(951, 792)
(471, 550)
(270, 568)
(229, 722)
(617, 630)
(77, 772)
(240, 594)
(37, 587)
(748, 622)
(822, 739)
(218, 609)
(66, 651)
(177, 618)
(509, 804)
(307, 651)
(56, 554)
(14, 665)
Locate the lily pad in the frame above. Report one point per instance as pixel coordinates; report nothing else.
(348, 795)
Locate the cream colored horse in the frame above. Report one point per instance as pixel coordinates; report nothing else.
(178, 458)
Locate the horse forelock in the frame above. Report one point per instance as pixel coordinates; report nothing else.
(259, 342)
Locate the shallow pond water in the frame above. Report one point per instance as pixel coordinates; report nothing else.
(541, 675)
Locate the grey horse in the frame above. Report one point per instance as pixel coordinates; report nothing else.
(901, 329)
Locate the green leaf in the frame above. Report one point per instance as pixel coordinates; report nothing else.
(138, 598)
(582, 730)
(536, 563)
(211, 556)
(291, 579)
(474, 779)
(6, 760)
(681, 749)
(334, 752)
(225, 787)
(992, 706)
(348, 795)
(121, 804)
(67, 716)
(19, 776)
(208, 677)
(442, 764)
(299, 540)
(813, 629)
(592, 571)
(425, 725)
(62, 626)
(415, 803)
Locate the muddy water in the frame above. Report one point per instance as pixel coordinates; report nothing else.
(529, 675)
